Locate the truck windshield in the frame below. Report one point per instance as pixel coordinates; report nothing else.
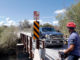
(48, 29)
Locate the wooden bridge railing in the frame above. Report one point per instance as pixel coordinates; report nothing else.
(27, 42)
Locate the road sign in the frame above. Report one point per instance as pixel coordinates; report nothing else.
(36, 30)
(36, 15)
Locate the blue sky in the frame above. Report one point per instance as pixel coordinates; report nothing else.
(13, 11)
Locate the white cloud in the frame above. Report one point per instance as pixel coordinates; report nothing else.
(60, 11)
(55, 22)
(7, 19)
(31, 21)
(42, 22)
(1, 23)
(8, 22)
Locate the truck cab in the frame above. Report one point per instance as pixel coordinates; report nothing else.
(51, 36)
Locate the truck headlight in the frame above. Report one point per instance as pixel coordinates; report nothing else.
(46, 35)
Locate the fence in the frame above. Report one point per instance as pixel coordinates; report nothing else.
(28, 45)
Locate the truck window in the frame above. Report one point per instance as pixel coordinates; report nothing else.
(48, 29)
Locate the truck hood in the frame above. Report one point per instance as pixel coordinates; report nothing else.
(52, 33)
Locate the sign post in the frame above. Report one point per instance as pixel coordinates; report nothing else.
(36, 29)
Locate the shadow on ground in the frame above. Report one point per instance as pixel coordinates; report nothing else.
(57, 47)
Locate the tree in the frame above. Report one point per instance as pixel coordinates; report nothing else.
(72, 14)
(46, 25)
(24, 24)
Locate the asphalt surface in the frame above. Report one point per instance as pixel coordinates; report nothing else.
(52, 52)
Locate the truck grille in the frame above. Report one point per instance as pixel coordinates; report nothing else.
(53, 41)
(55, 37)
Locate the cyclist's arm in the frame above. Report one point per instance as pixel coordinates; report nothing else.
(69, 49)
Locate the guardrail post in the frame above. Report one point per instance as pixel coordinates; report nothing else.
(19, 51)
(43, 51)
(31, 47)
(21, 37)
(27, 44)
(37, 43)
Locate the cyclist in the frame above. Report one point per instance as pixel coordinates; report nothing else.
(73, 50)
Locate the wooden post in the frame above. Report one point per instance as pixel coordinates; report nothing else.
(31, 47)
(27, 43)
(43, 50)
(21, 36)
(19, 51)
(37, 43)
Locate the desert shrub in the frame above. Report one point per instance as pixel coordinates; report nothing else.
(2, 28)
(8, 40)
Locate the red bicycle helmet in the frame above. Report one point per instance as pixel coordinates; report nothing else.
(71, 24)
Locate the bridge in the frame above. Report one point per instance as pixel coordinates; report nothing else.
(26, 50)
(28, 47)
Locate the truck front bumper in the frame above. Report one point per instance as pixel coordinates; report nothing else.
(53, 43)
